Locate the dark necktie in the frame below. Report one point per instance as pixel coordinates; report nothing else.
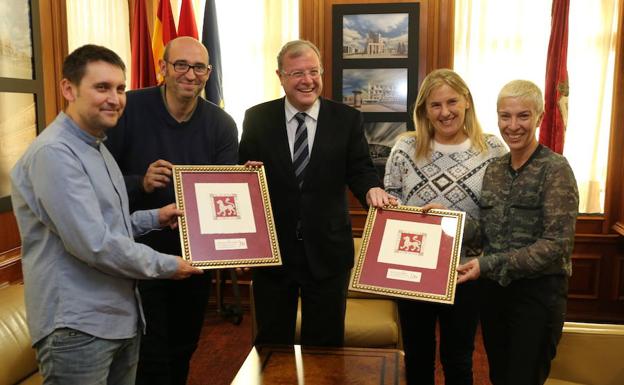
(300, 149)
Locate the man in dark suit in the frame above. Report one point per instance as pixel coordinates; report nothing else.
(312, 148)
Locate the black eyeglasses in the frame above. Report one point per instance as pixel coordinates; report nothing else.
(183, 67)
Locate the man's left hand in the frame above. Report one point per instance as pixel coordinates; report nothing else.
(168, 216)
(377, 197)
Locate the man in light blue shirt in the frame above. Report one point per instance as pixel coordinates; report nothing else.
(79, 258)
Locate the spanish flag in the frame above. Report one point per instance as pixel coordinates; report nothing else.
(164, 30)
(143, 71)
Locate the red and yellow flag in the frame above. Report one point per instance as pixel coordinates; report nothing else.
(164, 30)
(143, 71)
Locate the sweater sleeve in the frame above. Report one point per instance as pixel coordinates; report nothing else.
(115, 143)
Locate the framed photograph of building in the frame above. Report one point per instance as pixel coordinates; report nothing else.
(375, 36)
(375, 89)
(375, 66)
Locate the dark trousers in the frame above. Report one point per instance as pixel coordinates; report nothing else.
(174, 312)
(458, 324)
(323, 304)
(522, 325)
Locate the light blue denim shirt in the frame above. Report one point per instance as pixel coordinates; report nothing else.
(79, 258)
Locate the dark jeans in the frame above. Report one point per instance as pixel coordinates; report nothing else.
(522, 325)
(458, 324)
(323, 304)
(174, 312)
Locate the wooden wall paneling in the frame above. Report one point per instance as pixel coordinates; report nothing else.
(584, 283)
(53, 22)
(10, 262)
(595, 285)
(442, 25)
(619, 281)
(10, 269)
(311, 22)
(9, 235)
(587, 224)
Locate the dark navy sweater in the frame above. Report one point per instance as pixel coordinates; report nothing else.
(147, 132)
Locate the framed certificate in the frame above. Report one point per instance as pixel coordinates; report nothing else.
(407, 253)
(227, 219)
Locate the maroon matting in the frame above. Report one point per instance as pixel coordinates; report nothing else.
(436, 285)
(200, 248)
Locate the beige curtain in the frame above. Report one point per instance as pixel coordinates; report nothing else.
(497, 41)
(591, 58)
(102, 22)
(251, 34)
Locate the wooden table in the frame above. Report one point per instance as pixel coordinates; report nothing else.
(291, 365)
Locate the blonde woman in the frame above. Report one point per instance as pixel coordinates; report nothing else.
(442, 163)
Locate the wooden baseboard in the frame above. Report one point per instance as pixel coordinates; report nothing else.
(11, 267)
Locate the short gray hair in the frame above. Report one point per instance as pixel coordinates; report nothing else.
(295, 49)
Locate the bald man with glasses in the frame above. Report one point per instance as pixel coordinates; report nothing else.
(162, 126)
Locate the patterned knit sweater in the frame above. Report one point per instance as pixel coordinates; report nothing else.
(451, 176)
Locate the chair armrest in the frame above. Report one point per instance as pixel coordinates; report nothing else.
(590, 354)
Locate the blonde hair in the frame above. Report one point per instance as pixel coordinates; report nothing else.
(424, 129)
(524, 90)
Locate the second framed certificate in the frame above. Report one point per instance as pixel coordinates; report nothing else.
(227, 219)
(410, 254)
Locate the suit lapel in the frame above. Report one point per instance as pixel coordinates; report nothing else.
(279, 138)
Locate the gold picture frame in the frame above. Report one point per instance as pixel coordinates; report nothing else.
(228, 220)
(409, 253)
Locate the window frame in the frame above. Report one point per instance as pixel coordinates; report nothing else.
(33, 86)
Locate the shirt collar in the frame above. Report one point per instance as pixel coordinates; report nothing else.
(81, 134)
(534, 155)
(312, 112)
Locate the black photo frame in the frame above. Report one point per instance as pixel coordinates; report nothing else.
(380, 82)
